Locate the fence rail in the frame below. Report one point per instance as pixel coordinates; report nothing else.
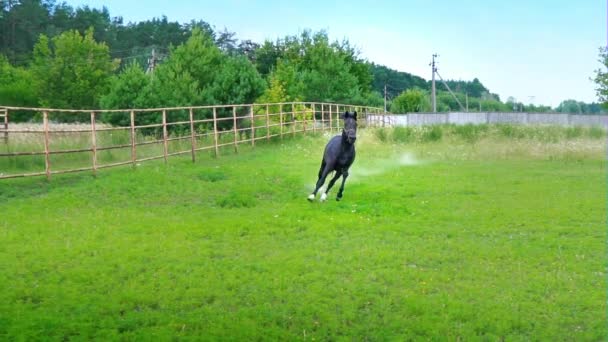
(202, 127)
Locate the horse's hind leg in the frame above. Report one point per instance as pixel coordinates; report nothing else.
(321, 169)
(345, 175)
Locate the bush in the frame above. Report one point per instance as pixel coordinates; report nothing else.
(596, 132)
(511, 131)
(432, 133)
(381, 134)
(574, 132)
(470, 132)
(403, 134)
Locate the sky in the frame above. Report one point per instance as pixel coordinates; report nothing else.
(540, 52)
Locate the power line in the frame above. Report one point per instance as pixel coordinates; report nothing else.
(450, 90)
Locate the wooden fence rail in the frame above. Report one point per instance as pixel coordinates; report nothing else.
(207, 128)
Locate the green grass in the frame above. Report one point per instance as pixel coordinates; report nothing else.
(440, 236)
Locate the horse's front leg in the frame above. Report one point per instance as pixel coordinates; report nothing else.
(345, 175)
(320, 182)
(331, 184)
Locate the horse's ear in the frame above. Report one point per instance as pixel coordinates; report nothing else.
(355, 115)
(344, 115)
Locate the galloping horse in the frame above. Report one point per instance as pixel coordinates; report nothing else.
(339, 155)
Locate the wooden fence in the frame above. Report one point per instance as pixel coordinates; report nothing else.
(201, 127)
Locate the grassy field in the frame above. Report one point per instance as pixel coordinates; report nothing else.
(443, 234)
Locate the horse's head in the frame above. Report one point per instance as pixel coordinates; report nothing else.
(349, 132)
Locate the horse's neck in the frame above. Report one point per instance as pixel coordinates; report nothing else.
(345, 146)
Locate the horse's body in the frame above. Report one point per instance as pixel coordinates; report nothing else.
(339, 155)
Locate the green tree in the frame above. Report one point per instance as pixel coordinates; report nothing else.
(410, 101)
(21, 22)
(17, 88)
(313, 69)
(601, 78)
(131, 88)
(287, 74)
(571, 106)
(72, 70)
(275, 93)
(190, 68)
(237, 81)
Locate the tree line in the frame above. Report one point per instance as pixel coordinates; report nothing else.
(54, 55)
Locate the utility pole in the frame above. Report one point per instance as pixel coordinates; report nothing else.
(385, 97)
(152, 62)
(433, 98)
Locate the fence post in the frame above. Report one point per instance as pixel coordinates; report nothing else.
(293, 119)
(94, 143)
(314, 117)
(304, 117)
(252, 126)
(133, 153)
(281, 119)
(192, 135)
(234, 128)
(6, 125)
(337, 117)
(215, 131)
(322, 117)
(331, 125)
(47, 162)
(165, 146)
(384, 119)
(267, 124)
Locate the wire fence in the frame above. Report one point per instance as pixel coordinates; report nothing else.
(45, 147)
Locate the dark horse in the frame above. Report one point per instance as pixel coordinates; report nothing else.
(339, 155)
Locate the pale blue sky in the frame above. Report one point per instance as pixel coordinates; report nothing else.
(536, 51)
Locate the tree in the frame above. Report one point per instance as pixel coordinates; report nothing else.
(274, 93)
(21, 23)
(73, 70)
(248, 48)
(129, 89)
(287, 74)
(17, 88)
(266, 57)
(396, 81)
(601, 78)
(571, 106)
(236, 82)
(410, 101)
(313, 69)
(226, 41)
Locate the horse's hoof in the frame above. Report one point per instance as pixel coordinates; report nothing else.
(338, 199)
(323, 197)
(311, 198)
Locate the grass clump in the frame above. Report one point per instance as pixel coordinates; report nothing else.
(403, 134)
(470, 132)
